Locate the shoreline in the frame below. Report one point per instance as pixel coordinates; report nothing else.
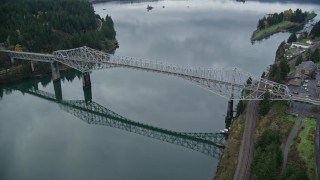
(227, 159)
(283, 29)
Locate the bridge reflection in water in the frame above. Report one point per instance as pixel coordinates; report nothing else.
(91, 112)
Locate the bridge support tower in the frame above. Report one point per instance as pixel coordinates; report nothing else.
(229, 115)
(55, 70)
(86, 82)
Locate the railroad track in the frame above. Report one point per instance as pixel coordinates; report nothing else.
(247, 143)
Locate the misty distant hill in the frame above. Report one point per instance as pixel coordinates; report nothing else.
(291, 1)
(271, 1)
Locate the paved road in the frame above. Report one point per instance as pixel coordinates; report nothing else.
(288, 143)
(247, 144)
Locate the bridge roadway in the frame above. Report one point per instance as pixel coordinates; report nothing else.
(310, 100)
(230, 83)
(92, 113)
(226, 82)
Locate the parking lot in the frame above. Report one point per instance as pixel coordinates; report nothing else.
(308, 89)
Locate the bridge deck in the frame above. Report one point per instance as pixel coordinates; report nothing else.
(230, 83)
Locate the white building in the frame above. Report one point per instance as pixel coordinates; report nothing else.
(296, 44)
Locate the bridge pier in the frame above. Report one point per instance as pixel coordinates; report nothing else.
(87, 94)
(57, 89)
(12, 60)
(55, 70)
(32, 67)
(229, 115)
(86, 82)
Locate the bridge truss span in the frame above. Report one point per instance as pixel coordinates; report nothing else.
(226, 82)
(30, 56)
(230, 83)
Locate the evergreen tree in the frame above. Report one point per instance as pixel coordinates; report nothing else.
(265, 104)
(292, 38)
(293, 172)
(268, 156)
(249, 81)
(299, 60)
(273, 70)
(47, 25)
(240, 108)
(284, 69)
(281, 50)
(315, 56)
(315, 31)
(261, 24)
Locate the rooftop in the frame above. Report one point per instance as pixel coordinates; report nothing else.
(296, 75)
(308, 65)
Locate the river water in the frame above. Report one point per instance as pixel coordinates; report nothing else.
(45, 139)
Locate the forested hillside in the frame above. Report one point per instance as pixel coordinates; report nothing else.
(48, 25)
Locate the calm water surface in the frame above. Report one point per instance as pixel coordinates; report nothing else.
(41, 139)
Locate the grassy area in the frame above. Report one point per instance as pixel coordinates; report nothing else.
(303, 41)
(301, 158)
(306, 145)
(229, 159)
(292, 118)
(259, 34)
(278, 119)
(293, 50)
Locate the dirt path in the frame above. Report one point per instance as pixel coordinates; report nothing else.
(288, 143)
(247, 144)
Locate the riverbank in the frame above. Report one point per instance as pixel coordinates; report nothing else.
(24, 71)
(276, 118)
(283, 26)
(229, 159)
(299, 153)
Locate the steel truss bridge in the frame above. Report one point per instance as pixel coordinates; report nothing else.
(211, 144)
(230, 83)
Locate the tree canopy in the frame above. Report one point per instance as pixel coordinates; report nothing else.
(315, 31)
(278, 73)
(268, 156)
(47, 25)
(292, 38)
(265, 104)
(288, 15)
